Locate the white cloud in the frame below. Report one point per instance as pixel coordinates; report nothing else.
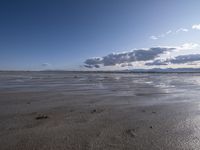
(196, 27)
(153, 37)
(189, 46)
(168, 32)
(182, 30)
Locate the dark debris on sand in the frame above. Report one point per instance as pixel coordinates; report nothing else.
(93, 111)
(41, 116)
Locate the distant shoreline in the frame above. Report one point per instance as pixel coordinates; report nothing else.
(131, 72)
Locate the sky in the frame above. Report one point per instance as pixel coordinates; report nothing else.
(99, 34)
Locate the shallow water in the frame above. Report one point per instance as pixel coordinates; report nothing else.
(109, 84)
(100, 80)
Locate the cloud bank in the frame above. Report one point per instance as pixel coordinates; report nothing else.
(177, 56)
(126, 57)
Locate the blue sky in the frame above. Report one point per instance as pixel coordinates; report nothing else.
(63, 34)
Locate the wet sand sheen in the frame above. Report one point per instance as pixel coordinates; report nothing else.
(98, 111)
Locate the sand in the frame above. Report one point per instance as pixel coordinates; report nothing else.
(99, 111)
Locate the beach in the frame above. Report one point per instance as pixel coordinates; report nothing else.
(99, 111)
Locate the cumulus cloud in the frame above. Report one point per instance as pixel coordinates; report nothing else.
(157, 63)
(182, 59)
(196, 26)
(95, 60)
(126, 65)
(185, 59)
(126, 57)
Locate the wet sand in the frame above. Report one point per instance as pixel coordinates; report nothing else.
(99, 111)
